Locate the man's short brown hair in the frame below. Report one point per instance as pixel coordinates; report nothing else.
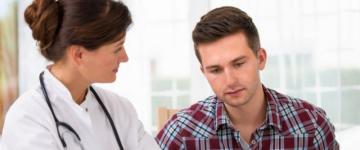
(224, 21)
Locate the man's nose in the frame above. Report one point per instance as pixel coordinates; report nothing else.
(230, 77)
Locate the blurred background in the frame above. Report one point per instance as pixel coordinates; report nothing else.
(312, 45)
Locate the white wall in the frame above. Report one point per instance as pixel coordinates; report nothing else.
(199, 88)
(31, 63)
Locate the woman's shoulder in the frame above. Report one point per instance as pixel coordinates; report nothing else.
(113, 99)
(28, 101)
(120, 108)
(28, 106)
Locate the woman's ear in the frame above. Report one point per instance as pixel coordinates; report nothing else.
(75, 53)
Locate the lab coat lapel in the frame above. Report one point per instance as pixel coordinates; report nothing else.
(70, 112)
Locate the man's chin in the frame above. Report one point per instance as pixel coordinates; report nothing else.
(235, 102)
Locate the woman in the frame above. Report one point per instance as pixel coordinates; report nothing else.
(85, 41)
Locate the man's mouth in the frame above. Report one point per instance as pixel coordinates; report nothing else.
(234, 92)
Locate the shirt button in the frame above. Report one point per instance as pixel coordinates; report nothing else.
(86, 109)
(253, 142)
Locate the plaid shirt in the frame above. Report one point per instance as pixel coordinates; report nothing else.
(290, 124)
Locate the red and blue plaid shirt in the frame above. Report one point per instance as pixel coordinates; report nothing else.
(290, 124)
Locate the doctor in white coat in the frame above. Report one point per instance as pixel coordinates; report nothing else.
(85, 41)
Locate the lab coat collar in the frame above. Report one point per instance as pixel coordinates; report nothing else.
(71, 112)
(58, 91)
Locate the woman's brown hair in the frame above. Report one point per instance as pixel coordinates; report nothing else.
(57, 24)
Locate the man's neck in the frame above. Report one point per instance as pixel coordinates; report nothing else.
(248, 117)
(251, 114)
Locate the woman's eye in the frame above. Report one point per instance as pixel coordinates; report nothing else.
(118, 50)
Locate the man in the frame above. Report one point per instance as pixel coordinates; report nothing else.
(244, 114)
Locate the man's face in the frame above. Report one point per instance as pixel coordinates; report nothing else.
(232, 69)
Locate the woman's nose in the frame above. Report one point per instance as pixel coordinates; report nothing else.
(124, 57)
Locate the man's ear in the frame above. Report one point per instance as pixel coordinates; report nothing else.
(75, 53)
(262, 57)
(202, 69)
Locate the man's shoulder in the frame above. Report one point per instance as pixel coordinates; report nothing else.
(284, 102)
(206, 105)
(202, 109)
(296, 113)
(199, 116)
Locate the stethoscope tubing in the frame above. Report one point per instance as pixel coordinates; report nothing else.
(59, 123)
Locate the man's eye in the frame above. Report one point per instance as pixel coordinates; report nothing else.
(215, 71)
(238, 64)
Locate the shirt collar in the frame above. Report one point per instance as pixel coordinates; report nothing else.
(221, 115)
(222, 119)
(272, 113)
(57, 90)
(54, 87)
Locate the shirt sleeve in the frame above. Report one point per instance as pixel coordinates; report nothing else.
(169, 137)
(324, 133)
(144, 141)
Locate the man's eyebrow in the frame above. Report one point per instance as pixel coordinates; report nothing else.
(212, 67)
(238, 59)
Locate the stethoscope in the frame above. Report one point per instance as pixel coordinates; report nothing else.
(67, 126)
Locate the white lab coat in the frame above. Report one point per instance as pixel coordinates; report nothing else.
(29, 124)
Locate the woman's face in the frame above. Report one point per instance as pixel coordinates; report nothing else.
(101, 65)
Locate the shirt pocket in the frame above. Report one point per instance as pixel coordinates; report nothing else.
(213, 143)
(289, 142)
